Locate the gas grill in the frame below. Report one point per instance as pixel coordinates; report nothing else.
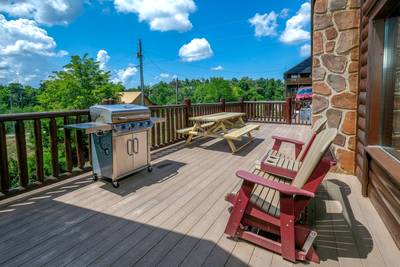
(120, 140)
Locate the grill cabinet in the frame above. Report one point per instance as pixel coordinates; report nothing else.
(120, 140)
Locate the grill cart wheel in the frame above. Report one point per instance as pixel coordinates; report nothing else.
(115, 184)
(95, 177)
(150, 169)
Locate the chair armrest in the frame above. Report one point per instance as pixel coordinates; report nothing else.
(286, 189)
(278, 171)
(280, 139)
(287, 140)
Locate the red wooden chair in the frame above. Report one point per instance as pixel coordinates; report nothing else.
(300, 149)
(273, 205)
(276, 162)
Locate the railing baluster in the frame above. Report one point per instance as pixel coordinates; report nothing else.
(53, 147)
(67, 146)
(79, 146)
(20, 140)
(158, 130)
(37, 128)
(153, 132)
(173, 126)
(4, 178)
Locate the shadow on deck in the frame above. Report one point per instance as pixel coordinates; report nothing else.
(176, 215)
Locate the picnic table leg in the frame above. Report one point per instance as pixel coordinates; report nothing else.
(190, 136)
(241, 121)
(230, 142)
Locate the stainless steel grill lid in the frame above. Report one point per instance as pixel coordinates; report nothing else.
(119, 113)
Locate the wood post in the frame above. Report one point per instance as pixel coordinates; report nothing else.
(223, 106)
(242, 108)
(67, 146)
(37, 127)
(20, 140)
(53, 147)
(288, 110)
(188, 111)
(79, 146)
(4, 178)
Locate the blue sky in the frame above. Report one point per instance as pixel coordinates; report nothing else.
(183, 38)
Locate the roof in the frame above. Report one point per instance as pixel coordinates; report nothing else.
(129, 97)
(133, 97)
(302, 67)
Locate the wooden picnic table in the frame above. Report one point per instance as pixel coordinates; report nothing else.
(218, 125)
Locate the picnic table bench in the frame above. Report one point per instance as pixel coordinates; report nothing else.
(226, 125)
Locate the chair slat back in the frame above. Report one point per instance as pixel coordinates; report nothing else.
(317, 150)
(316, 129)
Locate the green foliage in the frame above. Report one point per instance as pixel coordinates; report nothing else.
(215, 88)
(81, 84)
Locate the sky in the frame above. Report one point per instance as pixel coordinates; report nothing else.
(181, 38)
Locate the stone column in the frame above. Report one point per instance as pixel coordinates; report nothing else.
(335, 73)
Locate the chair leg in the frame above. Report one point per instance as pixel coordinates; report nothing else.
(239, 208)
(287, 220)
(312, 255)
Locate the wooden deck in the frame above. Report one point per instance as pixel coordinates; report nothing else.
(177, 214)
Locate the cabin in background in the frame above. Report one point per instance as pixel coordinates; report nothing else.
(298, 76)
(134, 98)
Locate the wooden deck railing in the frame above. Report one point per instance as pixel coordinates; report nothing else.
(45, 151)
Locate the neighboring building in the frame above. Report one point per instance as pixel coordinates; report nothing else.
(298, 76)
(134, 98)
(356, 86)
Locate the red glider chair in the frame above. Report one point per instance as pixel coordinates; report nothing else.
(300, 149)
(273, 205)
(278, 163)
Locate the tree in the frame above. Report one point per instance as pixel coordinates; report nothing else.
(81, 84)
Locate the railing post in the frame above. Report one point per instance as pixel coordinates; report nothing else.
(288, 109)
(4, 177)
(53, 147)
(223, 106)
(20, 144)
(188, 111)
(242, 104)
(37, 126)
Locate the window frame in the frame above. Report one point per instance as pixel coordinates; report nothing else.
(376, 77)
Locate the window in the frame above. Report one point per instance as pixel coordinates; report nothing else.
(390, 100)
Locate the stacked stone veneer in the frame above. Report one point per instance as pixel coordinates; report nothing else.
(335, 73)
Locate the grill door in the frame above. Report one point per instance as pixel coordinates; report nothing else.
(122, 155)
(140, 149)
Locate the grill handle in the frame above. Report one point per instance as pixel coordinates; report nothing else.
(129, 147)
(135, 145)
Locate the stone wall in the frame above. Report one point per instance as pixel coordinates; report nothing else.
(335, 72)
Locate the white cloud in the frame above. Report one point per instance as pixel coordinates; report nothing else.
(284, 13)
(102, 58)
(47, 12)
(265, 25)
(197, 49)
(305, 50)
(295, 26)
(25, 51)
(164, 75)
(125, 76)
(217, 68)
(162, 15)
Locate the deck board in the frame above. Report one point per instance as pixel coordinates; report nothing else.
(177, 214)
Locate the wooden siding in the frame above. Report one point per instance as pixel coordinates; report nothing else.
(176, 215)
(362, 92)
(377, 170)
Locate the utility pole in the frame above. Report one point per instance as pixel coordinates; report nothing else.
(140, 56)
(176, 89)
